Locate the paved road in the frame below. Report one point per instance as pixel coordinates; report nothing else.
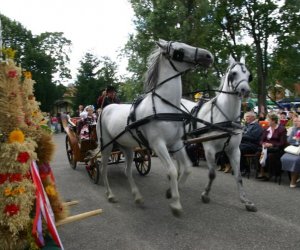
(222, 224)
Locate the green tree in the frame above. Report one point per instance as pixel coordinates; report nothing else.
(189, 21)
(248, 27)
(286, 61)
(57, 47)
(93, 77)
(45, 55)
(224, 27)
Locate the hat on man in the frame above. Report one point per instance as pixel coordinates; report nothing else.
(110, 88)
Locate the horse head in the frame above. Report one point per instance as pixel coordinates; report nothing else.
(238, 77)
(178, 52)
(179, 56)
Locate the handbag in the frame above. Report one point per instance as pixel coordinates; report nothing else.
(263, 156)
(292, 150)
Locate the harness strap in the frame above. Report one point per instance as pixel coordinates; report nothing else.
(223, 150)
(173, 66)
(141, 140)
(190, 117)
(169, 116)
(222, 112)
(168, 79)
(216, 126)
(147, 119)
(211, 90)
(174, 151)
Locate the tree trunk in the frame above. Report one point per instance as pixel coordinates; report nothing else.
(260, 80)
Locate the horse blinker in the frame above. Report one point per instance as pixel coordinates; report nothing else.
(178, 55)
(250, 78)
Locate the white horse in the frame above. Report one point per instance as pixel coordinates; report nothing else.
(225, 107)
(155, 119)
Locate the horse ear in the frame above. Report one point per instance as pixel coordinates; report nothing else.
(243, 60)
(161, 43)
(231, 60)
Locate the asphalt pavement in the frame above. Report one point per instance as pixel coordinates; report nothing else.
(224, 223)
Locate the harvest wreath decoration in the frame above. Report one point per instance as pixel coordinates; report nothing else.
(29, 201)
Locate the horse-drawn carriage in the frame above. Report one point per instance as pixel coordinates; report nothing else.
(157, 120)
(78, 149)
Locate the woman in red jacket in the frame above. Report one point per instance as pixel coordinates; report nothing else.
(274, 139)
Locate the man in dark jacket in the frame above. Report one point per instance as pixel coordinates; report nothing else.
(250, 140)
(110, 97)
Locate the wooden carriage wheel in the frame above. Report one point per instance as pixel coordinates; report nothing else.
(142, 159)
(70, 154)
(94, 171)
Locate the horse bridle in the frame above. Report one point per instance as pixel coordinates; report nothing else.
(230, 77)
(234, 92)
(178, 55)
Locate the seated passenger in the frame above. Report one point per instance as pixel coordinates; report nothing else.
(274, 139)
(87, 118)
(291, 162)
(250, 140)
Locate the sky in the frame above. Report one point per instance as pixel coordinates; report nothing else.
(101, 27)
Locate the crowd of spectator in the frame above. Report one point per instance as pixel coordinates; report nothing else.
(267, 136)
(264, 135)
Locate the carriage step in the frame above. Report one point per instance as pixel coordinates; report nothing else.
(208, 137)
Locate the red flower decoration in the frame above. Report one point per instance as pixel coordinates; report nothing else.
(27, 175)
(3, 178)
(12, 73)
(23, 157)
(15, 177)
(10, 177)
(11, 209)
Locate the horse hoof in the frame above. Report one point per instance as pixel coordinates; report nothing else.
(205, 198)
(139, 201)
(112, 199)
(168, 193)
(177, 212)
(251, 207)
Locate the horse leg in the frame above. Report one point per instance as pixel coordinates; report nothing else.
(105, 154)
(184, 166)
(128, 153)
(234, 158)
(163, 154)
(210, 159)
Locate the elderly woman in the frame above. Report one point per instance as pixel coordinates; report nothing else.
(88, 118)
(274, 139)
(291, 162)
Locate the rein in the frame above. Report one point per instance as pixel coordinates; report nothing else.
(135, 124)
(211, 90)
(178, 55)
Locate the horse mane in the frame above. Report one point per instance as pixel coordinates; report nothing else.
(151, 76)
